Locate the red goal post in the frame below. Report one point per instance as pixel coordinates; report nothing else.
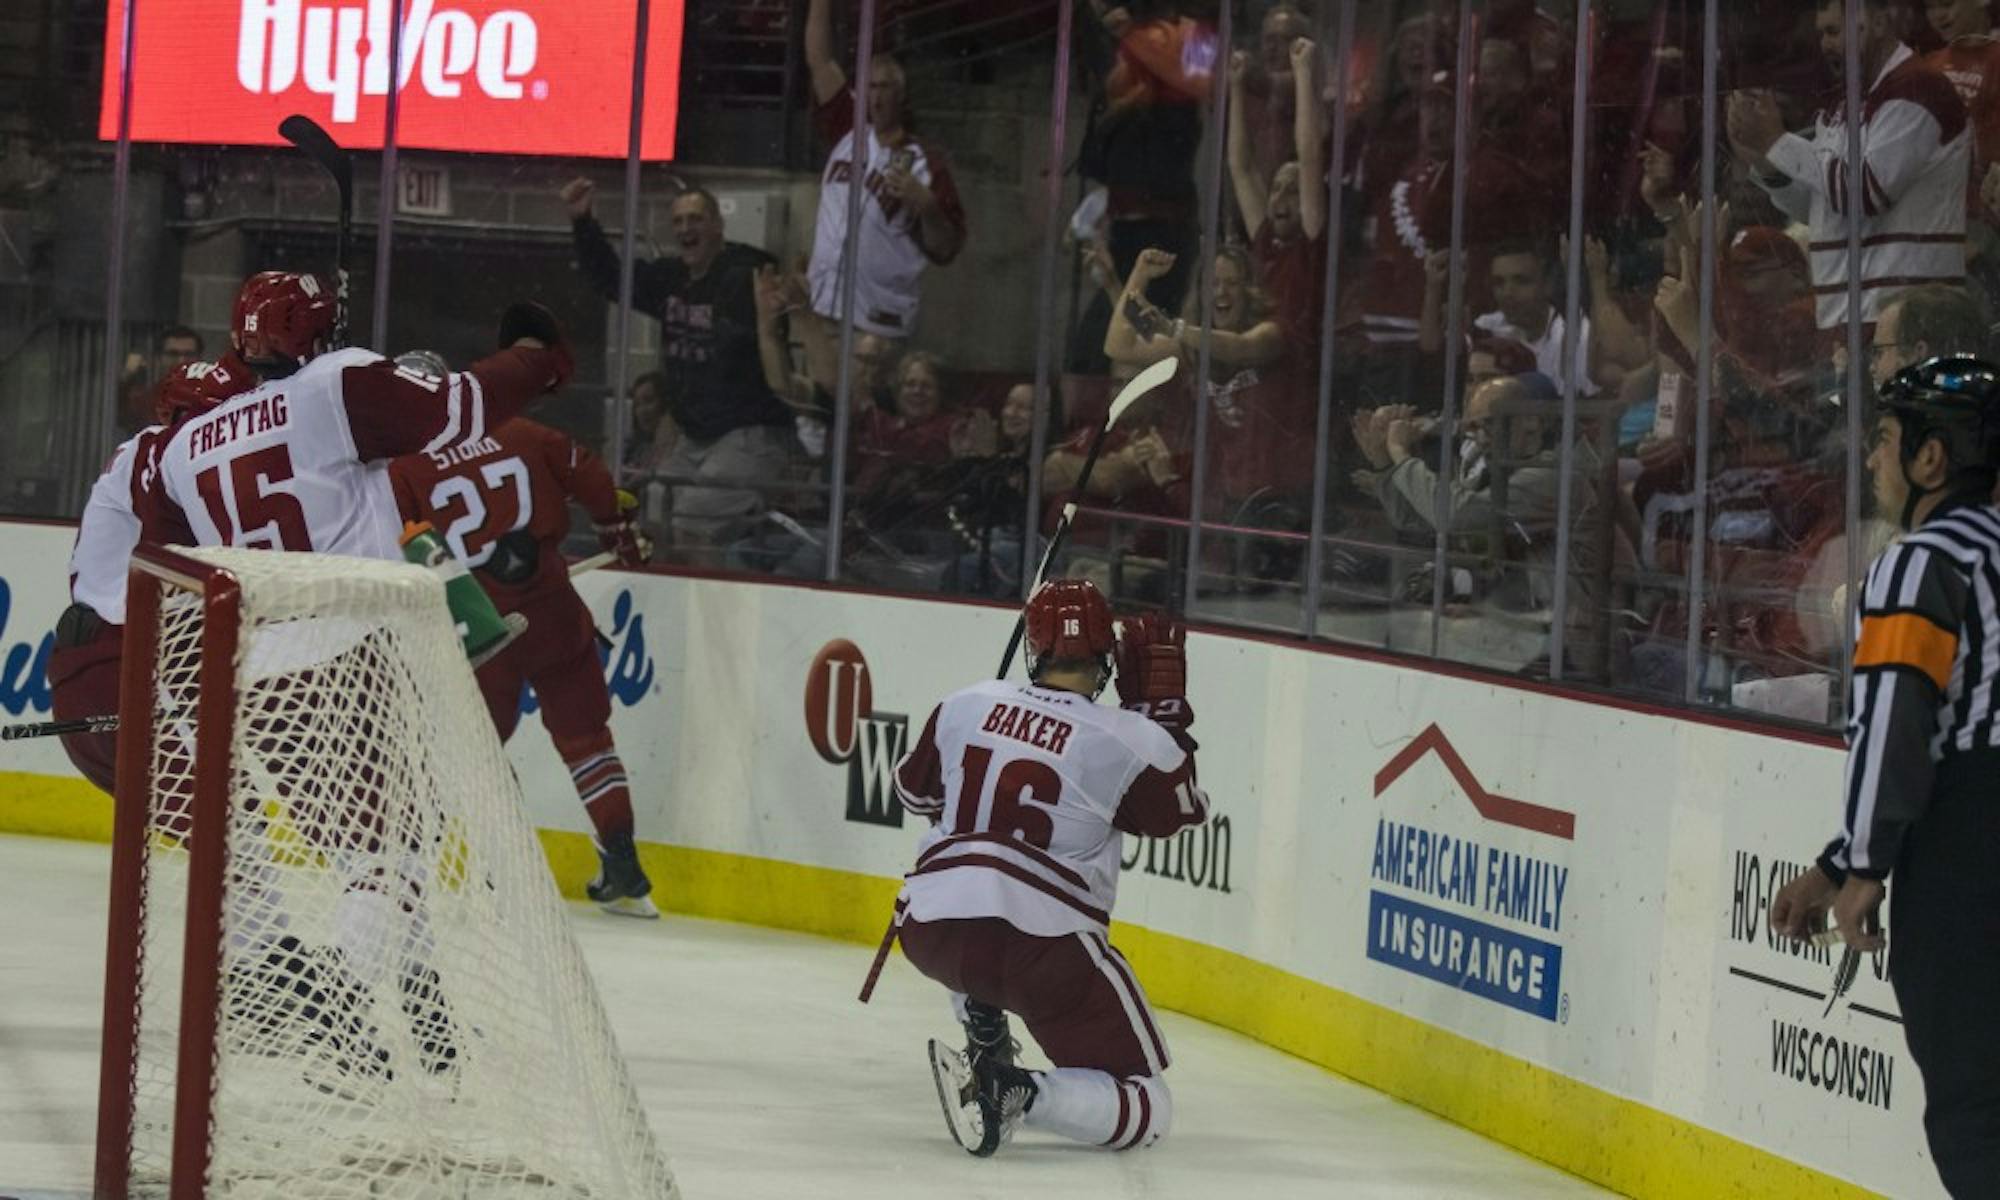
(336, 962)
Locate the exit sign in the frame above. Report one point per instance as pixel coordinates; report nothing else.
(423, 191)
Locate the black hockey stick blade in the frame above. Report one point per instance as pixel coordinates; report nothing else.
(317, 144)
(108, 723)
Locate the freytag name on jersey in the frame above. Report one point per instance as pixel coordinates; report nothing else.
(1469, 885)
(342, 50)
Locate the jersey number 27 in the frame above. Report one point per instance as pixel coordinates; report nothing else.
(485, 517)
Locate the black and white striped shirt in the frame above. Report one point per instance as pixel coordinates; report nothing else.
(1926, 658)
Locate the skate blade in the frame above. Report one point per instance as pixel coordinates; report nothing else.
(962, 1113)
(641, 907)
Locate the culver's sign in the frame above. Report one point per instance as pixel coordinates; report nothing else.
(504, 76)
(24, 665)
(628, 665)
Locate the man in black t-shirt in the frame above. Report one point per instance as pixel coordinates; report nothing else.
(733, 428)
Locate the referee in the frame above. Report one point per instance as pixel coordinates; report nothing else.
(1923, 756)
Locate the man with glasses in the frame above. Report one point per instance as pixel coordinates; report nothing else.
(1922, 323)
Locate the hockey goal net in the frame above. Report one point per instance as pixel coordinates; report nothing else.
(338, 964)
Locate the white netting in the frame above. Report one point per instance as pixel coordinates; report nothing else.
(405, 1013)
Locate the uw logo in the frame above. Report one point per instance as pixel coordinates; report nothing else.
(628, 667)
(24, 671)
(845, 728)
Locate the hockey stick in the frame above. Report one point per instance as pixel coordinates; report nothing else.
(107, 723)
(1145, 381)
(315, 143)
(602, 558)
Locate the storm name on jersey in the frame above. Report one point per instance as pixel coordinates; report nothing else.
(229, 424)
(451, 456)
(1036, 729)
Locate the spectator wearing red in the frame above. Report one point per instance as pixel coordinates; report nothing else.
(1916, 153)
(1970, 59)
(1386, 300)
(1145, 129)
(1285, 211)
(916, 434)
(1389, 133)
(1270, 98)
(1260, 430)
(1763, 309)
(1543, 40)
(1522, 127)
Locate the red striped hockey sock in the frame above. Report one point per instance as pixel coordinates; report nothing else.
(599, 776)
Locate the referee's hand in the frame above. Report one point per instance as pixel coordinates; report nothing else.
(1799, 909)
(1857, 910)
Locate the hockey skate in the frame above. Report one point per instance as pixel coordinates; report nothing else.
(346, 1059)
(430, 1019)
(987, 1036)
(621, 886)
(983, 1101)
(266, 998)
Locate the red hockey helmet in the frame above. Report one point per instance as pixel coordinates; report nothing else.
(1067, 620)
(193, 388)
(283, 318)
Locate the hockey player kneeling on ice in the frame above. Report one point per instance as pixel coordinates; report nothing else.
(1031, 789)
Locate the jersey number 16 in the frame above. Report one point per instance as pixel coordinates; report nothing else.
(1023, 793)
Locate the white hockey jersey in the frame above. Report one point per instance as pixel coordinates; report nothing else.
(1032, 790)
(110, 528)
(301, 463)
(891, 252)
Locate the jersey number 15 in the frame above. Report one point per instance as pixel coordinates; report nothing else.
(245, 507)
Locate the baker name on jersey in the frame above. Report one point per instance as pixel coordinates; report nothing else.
(451, 456)
(1039, 730)
(245, 420)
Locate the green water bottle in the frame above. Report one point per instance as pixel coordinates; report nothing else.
(481, 629)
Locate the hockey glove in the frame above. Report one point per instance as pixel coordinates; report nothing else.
(622, 535)
(1173, 714)
(527, 319)
(1152, 660)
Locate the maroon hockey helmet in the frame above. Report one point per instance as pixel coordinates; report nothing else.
(1068, 619)
(283, 318)
(191, 389)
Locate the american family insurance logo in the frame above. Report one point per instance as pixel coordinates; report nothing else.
(846, 730)
(1470, 887)
(499, 76)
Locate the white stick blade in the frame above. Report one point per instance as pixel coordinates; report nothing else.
(1145, 381)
